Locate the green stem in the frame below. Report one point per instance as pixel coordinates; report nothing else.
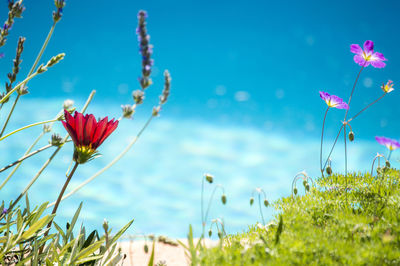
(60, 196)
(9, 115)
(203, 224)
(345, 159)
(259, 205)
(24, 157)
(115, 160)
(2, 100)
(390, 153)
(28, 126)
(210, 201)
(352, 91)
(333, 146)
(322, 139)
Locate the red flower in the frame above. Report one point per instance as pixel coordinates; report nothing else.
(87, 134)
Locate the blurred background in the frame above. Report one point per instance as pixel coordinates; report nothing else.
(244, 102)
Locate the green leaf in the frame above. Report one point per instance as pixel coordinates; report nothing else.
(151, 261)
(71, 227)
(118, 235)
(89, 250)
(37, 226)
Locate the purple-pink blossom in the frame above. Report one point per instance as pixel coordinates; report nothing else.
(391, 144)
(367, 56)
(333, 100)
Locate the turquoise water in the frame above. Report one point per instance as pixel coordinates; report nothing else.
(244, 104)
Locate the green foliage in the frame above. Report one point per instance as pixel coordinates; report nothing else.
(329, 225)
(23, 241)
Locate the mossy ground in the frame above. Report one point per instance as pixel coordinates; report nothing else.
(326, 226)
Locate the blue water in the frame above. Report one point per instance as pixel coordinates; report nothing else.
(244, 104)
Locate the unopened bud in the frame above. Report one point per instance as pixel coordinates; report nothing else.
(209, 178)
(46, 128)
(219, 234)
(55, 59)
(308, 187)
(41, 69)
(223, 199)
(304, 182)
(329, 170)
(68, 104)
(266, 203)
(387, 164)
(295, 191)
(56, 140)
(351, 135)
(210, 233)
(146, 248)
(156, 110)
(138, 96)
(23, 90)
(251, 201)
(105, 225)
(127, 111)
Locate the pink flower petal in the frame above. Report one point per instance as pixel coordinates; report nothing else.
(355, 48)
(369, 46)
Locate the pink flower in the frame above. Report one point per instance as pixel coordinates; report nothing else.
(367, 56)
(388, 87)
(391, 144)
(333, 100)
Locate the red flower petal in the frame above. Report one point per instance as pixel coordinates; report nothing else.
(71, 132)
(89, 129)
(79, 124)
(111, 126)
(101, 127)
(69, 119)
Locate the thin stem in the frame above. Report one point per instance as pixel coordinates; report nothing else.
(9, 115)
(28, 126)
(365, 108)
(210, 200)
(27, 152)
(25, 157)
(2, 100)
(39, 56)
(116, 159)
(33, 180)
(345, 158)
(333, 146)
(203, 224)
(352, 91)
(60, 196)
(322, 139)
(390, 153)
(259, 205)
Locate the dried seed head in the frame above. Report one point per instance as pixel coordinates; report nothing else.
(351, 136)
(138, 96)
(209, 178)
(223, 199)
(127, 111)
(251, 201)
(156, 110)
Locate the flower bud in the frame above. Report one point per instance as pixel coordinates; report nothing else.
(46, 128)
(105, 225)
(387, 164)
(210, 233)
(304, 182)
(146, 248)
(329, 170)
(251, 201)
(295, 191)
(127, 111)
(56, 140)
(351, 135)
(219, 234)
(308, 187)
(156, 110)
(68, 104)
(41, 69)
(223, 199)
(55, 59)
(209, 178)
(138, 96)
(266, 203)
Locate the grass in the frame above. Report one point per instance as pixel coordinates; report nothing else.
(324, 226)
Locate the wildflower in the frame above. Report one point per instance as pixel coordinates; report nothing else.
(127, 110)
(145, 49)
(388, 87)
(391, 144)
(209, 178)
(60, 4)
(367, 56)
(333, 100)
(87, 134)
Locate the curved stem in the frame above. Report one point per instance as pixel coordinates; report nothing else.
(28, 126)
(390, 153)
(9, 115)
(210, 200)
(203, 224)
(25, 157)
(116, 159)
(365, 108)
(322, 139)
